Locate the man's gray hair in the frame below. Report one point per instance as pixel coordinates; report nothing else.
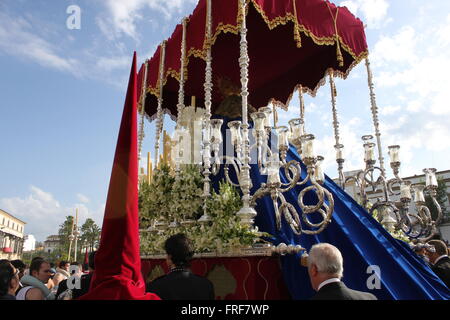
(327, 258)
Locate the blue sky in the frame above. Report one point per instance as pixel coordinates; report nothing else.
(62, 94)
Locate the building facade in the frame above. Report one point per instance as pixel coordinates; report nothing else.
(11, 236)
(30, 243)
(52, 243)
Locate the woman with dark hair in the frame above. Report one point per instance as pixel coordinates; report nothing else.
(180, 283)
(9, 281)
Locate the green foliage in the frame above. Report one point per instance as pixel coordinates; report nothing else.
(155, 198)
(90, 234)
(183, 200)
(65, 229)
(51, 257)
(227, 231)
(187, 193)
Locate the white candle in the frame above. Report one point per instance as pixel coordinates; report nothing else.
(418, 193)
(369, 154)
(308, 151)
(405, 191)
(394, 156)
(430, 177)
(236, 137)
(217, 135)
(297, 128)
(259, 124)
(283, 139)
(273, 170)
(393, 153)
(318, 174)
(296, 132)
(267, 111)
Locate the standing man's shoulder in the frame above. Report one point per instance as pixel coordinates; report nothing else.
(367, 296)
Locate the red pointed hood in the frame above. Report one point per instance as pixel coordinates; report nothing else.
(117, 273)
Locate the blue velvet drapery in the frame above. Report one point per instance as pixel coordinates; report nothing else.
(361, 239)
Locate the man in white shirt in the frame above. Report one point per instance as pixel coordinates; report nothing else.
(34, 284)
(440, 260)
(325, 269)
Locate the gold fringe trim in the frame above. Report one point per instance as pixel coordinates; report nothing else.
(322, 82)
(173, 74)
(272, 24)
(289, 17)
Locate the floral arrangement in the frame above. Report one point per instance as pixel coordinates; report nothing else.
(177, 199)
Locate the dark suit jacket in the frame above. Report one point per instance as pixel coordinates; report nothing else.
(442, 270)
(338, 291)
(182, 285)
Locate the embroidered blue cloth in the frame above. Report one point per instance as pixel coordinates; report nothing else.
(367, 248)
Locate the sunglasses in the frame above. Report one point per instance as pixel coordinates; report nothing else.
(16, 273)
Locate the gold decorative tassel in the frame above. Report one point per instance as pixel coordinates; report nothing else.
(340, 58)
(297, 36)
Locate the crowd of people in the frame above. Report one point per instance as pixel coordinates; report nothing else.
(41, 281)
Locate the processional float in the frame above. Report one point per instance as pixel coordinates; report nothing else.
(272, 49)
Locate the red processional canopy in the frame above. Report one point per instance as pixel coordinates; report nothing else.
(290, 43)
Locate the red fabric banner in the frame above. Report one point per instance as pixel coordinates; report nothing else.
(117, 273)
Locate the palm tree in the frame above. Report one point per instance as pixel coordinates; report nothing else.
(90, 234)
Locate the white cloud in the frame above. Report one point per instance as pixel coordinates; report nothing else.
(443, 33)
(389, 110)
(81, 197)
(400, 48)
(17, 39)
(373, 11)
(412, 69)
(123, 16)
(44, 214)
(112, 63)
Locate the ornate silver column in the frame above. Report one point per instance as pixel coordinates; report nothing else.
(247, 213)
(374, 110)
(338, 146)
(180, 105)
(302, 104)
(159, 119)
(143, 96)
(207, 118)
